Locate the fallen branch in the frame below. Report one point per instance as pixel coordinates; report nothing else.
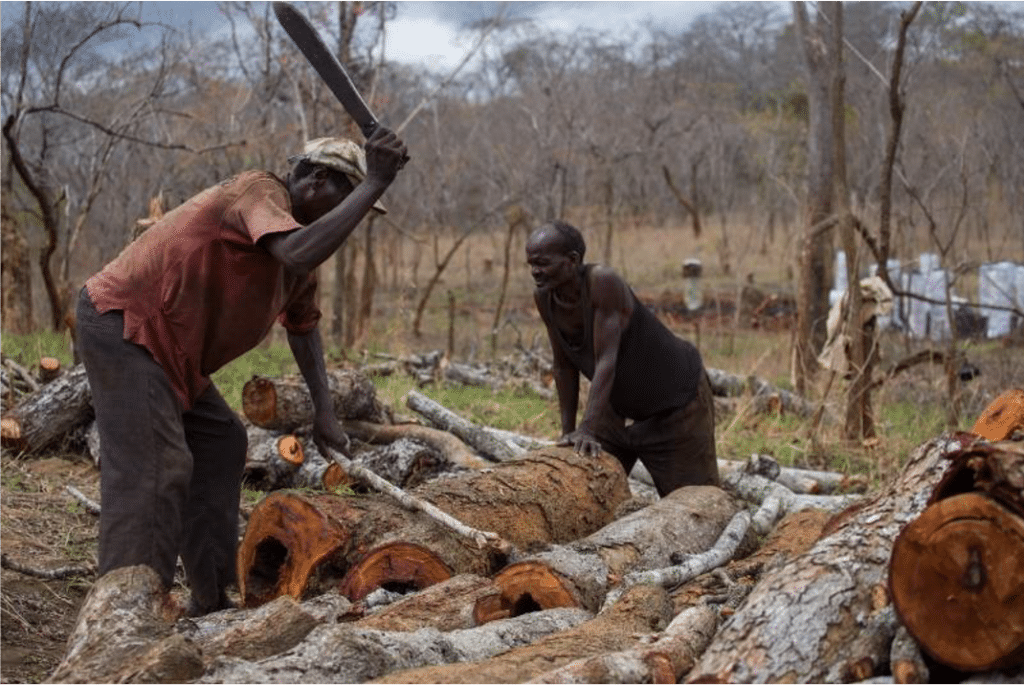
(453, 449)
(693, 565)
(475, 436)
(90, 506)
(483, 539)
(760, 490)
(725, 384)
(47, 574)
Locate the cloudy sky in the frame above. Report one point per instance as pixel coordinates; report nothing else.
(428, 32)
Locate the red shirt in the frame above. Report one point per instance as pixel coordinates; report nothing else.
(195, 288)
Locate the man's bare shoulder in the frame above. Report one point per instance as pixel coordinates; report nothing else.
(607, 288)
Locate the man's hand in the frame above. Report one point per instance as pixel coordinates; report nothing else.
(327, 435)
(385, 155)
(582, 441)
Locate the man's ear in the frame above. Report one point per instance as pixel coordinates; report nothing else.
(574, 256)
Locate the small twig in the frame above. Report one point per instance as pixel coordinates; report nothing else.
(90, 506)
(48, 574)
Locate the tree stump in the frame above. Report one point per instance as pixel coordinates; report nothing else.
(957, 571)
(49, 414)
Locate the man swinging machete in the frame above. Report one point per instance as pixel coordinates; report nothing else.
(199, 288)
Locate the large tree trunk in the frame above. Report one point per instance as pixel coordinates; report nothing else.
(957, 571)
(48, 415)
(284, 404)
(824, 616)
(642, 610)
(550, 495)
(446, 606)
(687, 521)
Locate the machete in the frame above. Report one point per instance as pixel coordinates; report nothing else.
(326, 65)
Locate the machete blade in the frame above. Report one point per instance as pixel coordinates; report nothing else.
(326, 65)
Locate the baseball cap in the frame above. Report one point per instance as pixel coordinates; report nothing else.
(340, 154)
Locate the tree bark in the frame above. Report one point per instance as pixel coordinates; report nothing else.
(957, 571)
(48, 415)
(644, 609)
(284, 404)
(551, 495)
(450, 447)
(123, 634)
(446, 606)
(477, 437)
(824, 616)
(271, 458)
(346, 653)
(687, 521)
(666, 660)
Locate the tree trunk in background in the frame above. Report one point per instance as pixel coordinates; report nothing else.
(816, 244)
(17, 274)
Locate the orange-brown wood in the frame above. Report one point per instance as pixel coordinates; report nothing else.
(525, 586)
(49, 368)
(396, 566)
(1002, 417)
(290, 449)
(957, 581)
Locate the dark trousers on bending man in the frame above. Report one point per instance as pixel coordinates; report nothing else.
(170, 479)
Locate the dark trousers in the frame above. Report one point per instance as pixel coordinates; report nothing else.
(170, 479)
(677, 447)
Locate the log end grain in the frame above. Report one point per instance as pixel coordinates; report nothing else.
(259, 401)
(49, 368)
(524, 587)
(1002, 417)
(285, 539)
(957, 582)
(10, 433)
(396, 566)
(290, 449)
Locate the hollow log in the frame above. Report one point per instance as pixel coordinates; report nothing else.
(49, 414)
(551, 495)
(123, 634)
(1002, 417)
(644, 609)
(665, 660)
(957, 571)
(345, 653)
(689, 520)
(284, 404)
(825, 615)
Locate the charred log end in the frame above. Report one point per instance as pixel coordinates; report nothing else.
(10, 433)
(259, 401)
(957, 582)
(524, 587)
(398, 567)
(290, 449)
(1001, 418)
(285, 539)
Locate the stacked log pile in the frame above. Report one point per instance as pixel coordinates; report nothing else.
(780, 575)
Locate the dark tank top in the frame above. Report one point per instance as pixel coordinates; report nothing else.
(655, 371)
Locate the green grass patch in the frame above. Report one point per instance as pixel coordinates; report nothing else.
(272, 360)
(26, 349)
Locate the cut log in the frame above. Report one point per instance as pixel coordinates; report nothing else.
(957, 571)
(665, 660)
(726, 384)
(48, 415)
(551, 495)
(642, 610)
(821, 617)
(271, 458)
(484, 442)
(284, 404)
(49, 369)
(348, 654)
(580, 573)
(446, 606)
(123, 634)
(405, 462)
(1002, 417)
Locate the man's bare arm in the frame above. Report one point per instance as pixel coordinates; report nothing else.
(309, 356)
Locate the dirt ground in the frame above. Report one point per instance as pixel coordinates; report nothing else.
(44, 528)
